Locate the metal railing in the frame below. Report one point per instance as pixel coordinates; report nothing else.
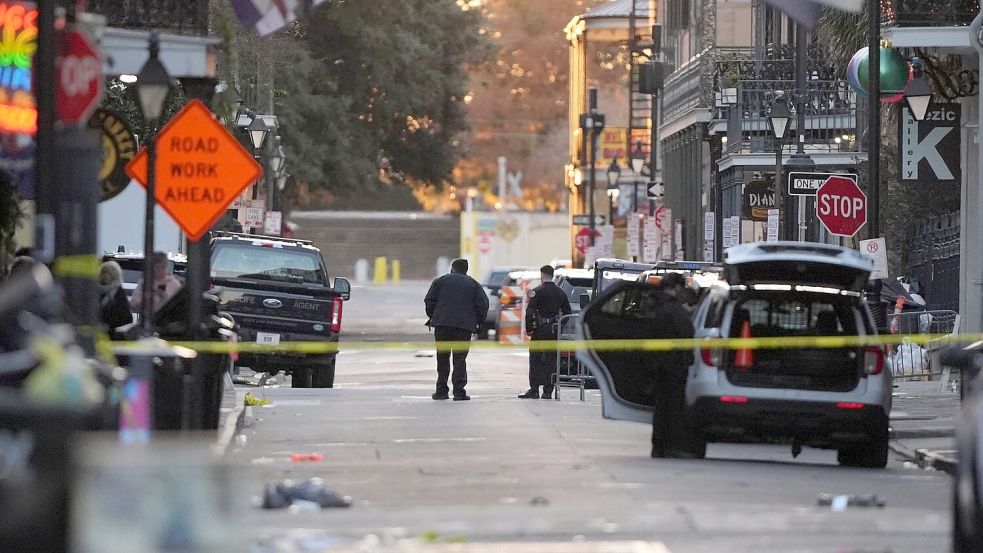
(176, 16)
(830, 122)
(932, 257)
(929, 13)
(912, 361)
(570, 372)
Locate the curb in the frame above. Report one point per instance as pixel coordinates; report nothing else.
(922, 433)
(233, 422)
(938, 460)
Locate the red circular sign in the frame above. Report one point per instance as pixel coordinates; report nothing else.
(78, 74)
(583, 239)
(484, 243)
(841, 205)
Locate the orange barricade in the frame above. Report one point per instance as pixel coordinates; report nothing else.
(510, 315)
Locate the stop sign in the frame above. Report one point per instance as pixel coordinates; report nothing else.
(841, 205)
(582, 240)
(78, 77)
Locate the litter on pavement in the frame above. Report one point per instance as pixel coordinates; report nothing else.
(841, 502)
(309, 494)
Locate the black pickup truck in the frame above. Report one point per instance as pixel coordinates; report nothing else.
(277, 290)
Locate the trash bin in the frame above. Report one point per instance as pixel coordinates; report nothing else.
(36, 455)
(207, 371)
(158, 392)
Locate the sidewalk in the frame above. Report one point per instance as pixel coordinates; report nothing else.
(923, 424)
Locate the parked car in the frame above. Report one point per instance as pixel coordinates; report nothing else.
(278, 290)
(837, 398)
(967, 497)
(132, 265)
(609, 271)
(575, 283)
(497, 277)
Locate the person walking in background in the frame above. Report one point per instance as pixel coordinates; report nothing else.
(456, 304)
(547, 303)
(165, 284)
(114, 308)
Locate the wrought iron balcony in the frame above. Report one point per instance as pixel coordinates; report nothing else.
(929, 13)
(175, 16)
(831, 116)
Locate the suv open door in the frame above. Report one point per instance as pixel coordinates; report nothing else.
(626, 378)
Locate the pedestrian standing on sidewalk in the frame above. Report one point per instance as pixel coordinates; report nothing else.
(671, 435)
(547, 303)
(456, 304)
(114, 308)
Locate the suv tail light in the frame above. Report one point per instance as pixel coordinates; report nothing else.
(336, 305)
(874, 359)
(711, 357)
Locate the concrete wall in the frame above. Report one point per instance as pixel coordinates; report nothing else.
(415, 239)
(513, 238)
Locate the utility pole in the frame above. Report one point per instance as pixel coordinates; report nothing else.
(44, 93)
(874, 116)
(66, 189)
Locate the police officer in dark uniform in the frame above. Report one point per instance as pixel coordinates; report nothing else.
(547, 303)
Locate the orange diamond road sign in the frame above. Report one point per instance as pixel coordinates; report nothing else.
(201, 169)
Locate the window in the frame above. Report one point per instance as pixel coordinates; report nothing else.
(796, 316)
(276, 264)
(615, 304)
(715, 313)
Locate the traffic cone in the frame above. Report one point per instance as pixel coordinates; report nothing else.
(744, 357)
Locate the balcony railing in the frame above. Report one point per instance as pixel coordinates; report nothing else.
(929, 13)
(737, 64)
(831, 123)
(175, 16)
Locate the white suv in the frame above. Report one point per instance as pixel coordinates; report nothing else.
(836, 398)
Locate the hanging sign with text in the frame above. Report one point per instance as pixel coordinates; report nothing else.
(930, 148)
(758, 198)
(200, 169)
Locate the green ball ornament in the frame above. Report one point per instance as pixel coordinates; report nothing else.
(895, 74)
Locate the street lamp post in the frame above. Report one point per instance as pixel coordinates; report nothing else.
(637, 162)
(258, 132)
(276, 164)
(593, 122)
(779, 118)
(153, 84)
(614, 173)
(918, 93)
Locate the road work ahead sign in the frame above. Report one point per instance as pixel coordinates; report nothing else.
(930, 148)
(201, 168)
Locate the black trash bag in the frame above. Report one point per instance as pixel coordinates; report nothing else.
(279, 495)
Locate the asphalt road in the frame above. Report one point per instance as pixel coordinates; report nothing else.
(498, 469)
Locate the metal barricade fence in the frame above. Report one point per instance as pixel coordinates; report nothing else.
(570, 372)
(921, 362)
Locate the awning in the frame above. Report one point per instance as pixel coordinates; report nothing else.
(610, 22)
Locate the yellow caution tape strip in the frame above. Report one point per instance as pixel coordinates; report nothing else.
(794, 342)
(76, 266)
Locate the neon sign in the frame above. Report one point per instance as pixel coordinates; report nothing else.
(18, 41)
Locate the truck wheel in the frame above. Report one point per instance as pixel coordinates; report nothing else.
(872, 454)
(323, 375)
(300, 377)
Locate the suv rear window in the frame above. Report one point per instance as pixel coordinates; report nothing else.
(796, 316)
(260, 263)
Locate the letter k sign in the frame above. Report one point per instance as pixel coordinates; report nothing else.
(928, 150)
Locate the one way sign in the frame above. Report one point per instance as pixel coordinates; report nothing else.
(930, 148)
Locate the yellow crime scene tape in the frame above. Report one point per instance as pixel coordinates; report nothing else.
(76, 266)
(673, 344)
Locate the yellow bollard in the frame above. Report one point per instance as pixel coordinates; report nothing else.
(395, 271)
(379, 275)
